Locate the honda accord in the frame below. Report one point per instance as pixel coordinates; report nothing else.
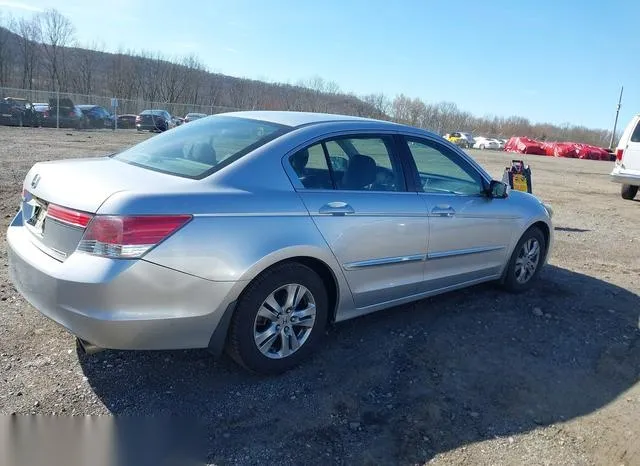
(252, 231)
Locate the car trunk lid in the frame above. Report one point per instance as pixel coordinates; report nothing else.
(59, 196)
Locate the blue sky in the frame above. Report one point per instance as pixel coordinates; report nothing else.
(548, 60)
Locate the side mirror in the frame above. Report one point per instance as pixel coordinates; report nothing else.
(497, 190)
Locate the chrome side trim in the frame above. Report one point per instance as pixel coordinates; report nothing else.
(254, 214)
(462, 252)
(384, 261)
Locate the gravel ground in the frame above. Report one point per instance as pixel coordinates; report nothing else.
(471, 377)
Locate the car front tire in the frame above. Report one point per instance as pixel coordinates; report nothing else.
(279, 319)
(526, 261)
(628, 191)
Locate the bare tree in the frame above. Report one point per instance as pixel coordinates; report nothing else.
(6, 24)
(57, 34)
(379, 102)
(85, 60)
(29, 33)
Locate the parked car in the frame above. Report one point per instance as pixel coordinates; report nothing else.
(460, 139)
(43, 113)
(193, 116)
(206, 237)
(127, 121)
(154, 120)
(483, 143)
(70, 116)
(97, 117)
(501, 143)
(17, 112)
(626, 170)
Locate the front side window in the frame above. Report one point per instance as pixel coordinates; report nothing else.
(362, 163)
(197, 150)
(441, 170)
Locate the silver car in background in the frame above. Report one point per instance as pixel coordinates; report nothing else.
(252, 231)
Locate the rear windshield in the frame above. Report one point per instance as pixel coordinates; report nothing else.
(153, 112)
(200, 148)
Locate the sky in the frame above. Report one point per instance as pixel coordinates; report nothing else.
(558, 61)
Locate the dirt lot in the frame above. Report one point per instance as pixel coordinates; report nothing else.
(472, 377)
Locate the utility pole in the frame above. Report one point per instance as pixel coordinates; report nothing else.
(615, 123)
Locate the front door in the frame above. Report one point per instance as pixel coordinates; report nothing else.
(355, 191)
(469, 233)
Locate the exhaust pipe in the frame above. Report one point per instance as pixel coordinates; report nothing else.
(88, 348)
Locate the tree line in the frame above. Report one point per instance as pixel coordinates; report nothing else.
(41, 53)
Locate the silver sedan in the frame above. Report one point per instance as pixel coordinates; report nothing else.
(252, 231)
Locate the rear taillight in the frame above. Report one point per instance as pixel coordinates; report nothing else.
(72, 114)
(128, 237)
(69, 216)
(138, 119)
(46, 114)
(619, 154)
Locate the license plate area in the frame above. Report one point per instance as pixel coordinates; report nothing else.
(36, 213)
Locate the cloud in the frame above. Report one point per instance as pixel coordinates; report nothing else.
(230, 49)
(20, 6)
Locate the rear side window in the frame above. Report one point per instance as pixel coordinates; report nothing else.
(200, 148)
(635, 137)
(362, 163)
(310, 165)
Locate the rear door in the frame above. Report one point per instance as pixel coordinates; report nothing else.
(354, 188)
(469, 233)
(631, 154)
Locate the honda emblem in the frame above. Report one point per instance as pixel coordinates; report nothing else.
(35, 181)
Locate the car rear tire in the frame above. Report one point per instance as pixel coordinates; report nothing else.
(279, 319)
(628, 191)
(526, 261)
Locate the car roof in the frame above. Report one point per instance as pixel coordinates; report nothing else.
(87, 106)
(295, 119)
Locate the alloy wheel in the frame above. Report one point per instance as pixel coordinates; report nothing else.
(284, 321)
(527, 260)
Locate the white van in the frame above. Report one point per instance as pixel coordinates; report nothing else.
(627, 168)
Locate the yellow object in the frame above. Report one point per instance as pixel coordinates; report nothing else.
(520, 183)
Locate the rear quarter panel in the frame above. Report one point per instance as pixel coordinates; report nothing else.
(234, 236)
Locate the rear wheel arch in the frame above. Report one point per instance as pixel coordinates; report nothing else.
(220, 335)
(318, 266)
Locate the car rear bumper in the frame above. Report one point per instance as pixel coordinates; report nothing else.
(118, 304)
(620, 175)
(151, 126)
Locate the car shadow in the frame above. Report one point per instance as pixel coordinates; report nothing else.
(402, 385)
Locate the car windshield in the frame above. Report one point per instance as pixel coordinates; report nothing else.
(197, 150)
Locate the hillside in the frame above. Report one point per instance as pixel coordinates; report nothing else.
(41, 54)
(152, 78)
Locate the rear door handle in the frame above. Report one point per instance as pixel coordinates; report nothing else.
(443, 211)
(337, 208)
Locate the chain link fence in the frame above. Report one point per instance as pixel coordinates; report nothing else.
(125, 106)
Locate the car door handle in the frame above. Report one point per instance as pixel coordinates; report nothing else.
(443, 211)
(336, 208)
